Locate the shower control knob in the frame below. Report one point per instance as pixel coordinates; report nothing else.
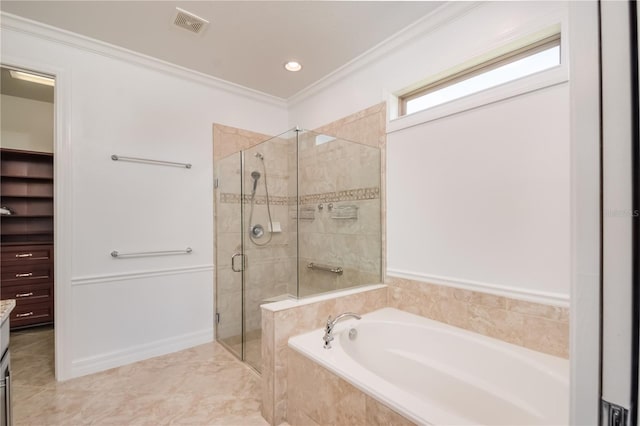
(257, 231)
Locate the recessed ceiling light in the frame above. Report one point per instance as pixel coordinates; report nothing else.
(293, 66)
(33, 78)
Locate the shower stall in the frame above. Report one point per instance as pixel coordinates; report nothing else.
(295, 215)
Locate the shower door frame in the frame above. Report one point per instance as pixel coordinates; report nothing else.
(243, 244)
(218, 254)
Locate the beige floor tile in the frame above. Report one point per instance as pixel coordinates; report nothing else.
(204, 385)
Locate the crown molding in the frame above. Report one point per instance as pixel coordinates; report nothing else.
(434, 20)
(57, 35)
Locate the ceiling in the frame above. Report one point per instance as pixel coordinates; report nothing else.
(246, 42)
(24, 89)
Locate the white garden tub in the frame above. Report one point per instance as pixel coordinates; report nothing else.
(436, 374)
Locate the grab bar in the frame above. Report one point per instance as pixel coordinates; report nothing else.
(335, 269)
(116, 253)
(146, 160)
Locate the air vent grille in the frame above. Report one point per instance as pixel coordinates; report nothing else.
(189, 21)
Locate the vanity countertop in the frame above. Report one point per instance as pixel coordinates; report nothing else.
(6, 306)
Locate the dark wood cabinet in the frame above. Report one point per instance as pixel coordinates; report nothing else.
(26, 235)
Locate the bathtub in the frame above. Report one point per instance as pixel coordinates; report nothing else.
(436, 374)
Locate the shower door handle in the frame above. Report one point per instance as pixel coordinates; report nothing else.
(233, 262)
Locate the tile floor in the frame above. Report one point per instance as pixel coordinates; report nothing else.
(204, 385)
(253, 348)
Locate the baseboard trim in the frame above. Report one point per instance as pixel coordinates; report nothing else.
(94, 364)
(555, 299)
(99, 279)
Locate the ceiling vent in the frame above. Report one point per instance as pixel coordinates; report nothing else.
(189, 21)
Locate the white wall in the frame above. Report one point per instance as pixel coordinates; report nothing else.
(122, 310)
(26, 124)
(479, 199)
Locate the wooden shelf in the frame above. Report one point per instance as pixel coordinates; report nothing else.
(44, 178)
(45, 197)
(30, 232)
(42, 197)
(31, 243)
(31, 155)
(28, 206)
(6, 216)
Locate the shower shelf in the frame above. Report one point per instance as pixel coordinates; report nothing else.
(307, 213)
(344, 212)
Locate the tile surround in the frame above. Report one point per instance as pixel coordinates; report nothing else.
(338, 172)
(318, 397)
(369, 127)
(334, 172)
(543, 328)
(278, 326)
(535, 326)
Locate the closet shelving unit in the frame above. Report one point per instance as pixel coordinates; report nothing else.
(26, 235)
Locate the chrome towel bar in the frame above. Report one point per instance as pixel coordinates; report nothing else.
(335, 269)
(116, 253)
(149, 161)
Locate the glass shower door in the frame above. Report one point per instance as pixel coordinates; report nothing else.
(269, 238)
(229, 253)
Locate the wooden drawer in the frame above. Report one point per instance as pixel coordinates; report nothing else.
(26, 274)
(29, 293)
(31, 314)
(27, 254)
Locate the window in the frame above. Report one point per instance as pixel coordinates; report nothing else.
(531, 59)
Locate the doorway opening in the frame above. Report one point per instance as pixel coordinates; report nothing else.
(27, 221)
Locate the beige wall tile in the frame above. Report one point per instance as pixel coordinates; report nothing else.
(361, 303)
(298, 320)
(280, 389)
(538, 310)
(349, 403)
(227, 140)
(546, 336)
(536, 326)
(313, 389)
(268, 360)
(380, 414)
(317, 396)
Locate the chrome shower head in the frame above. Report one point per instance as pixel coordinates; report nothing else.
(255, 175)
(260, 156)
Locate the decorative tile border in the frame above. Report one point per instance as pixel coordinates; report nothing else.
(229, 198)
(326, 197)
(348, 195)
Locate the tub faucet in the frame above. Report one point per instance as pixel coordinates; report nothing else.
(331, 322)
